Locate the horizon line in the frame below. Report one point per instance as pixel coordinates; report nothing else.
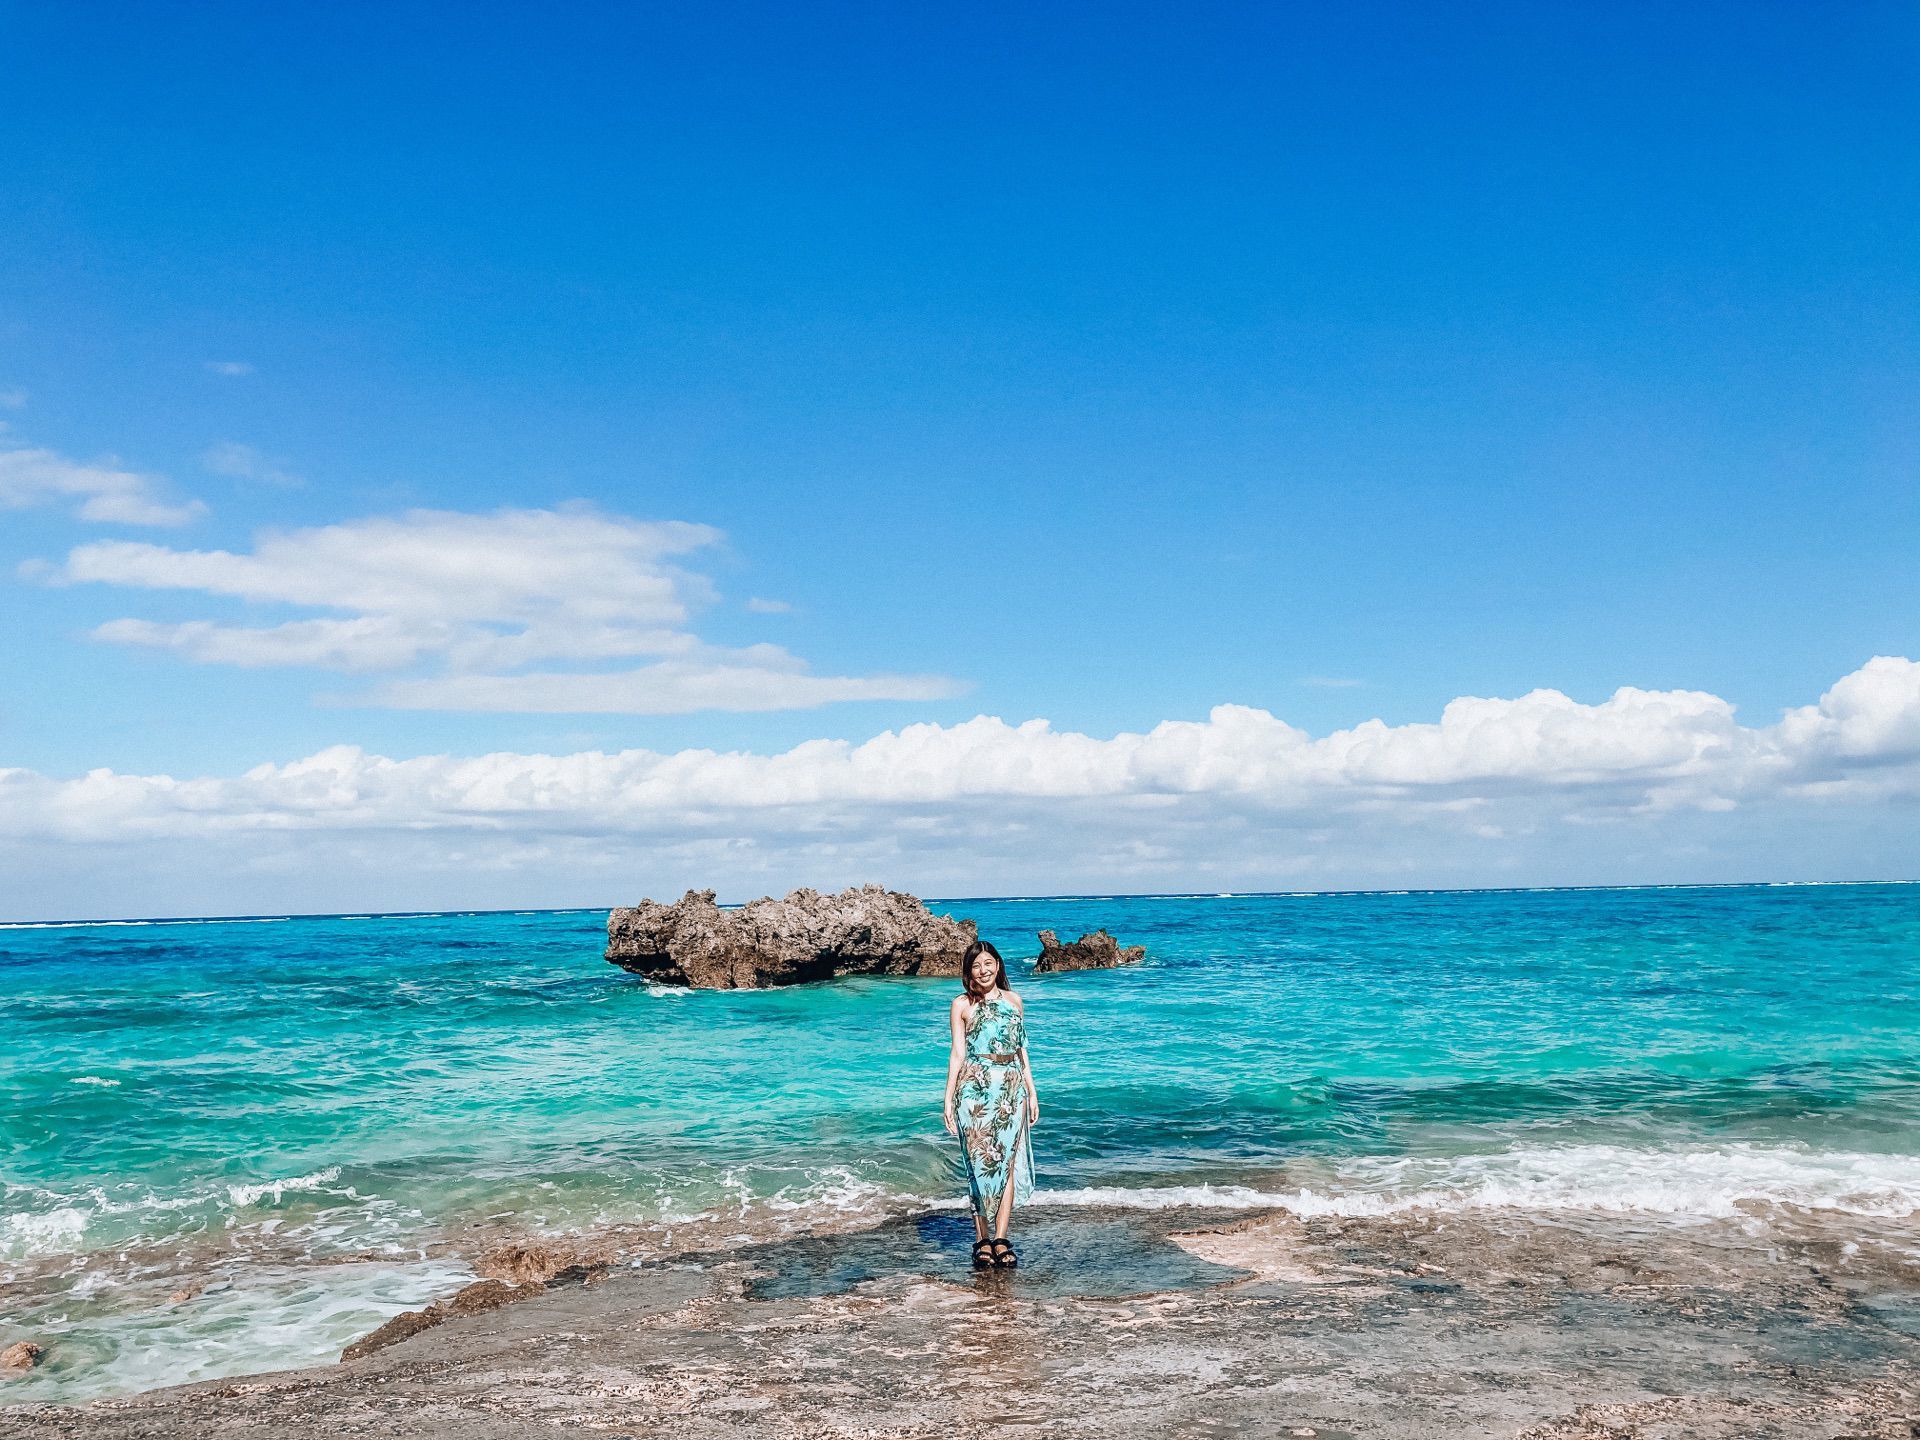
(463, 912)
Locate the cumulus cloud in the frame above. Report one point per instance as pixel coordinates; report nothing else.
(478, 599)
(100, 491)
(1642, 787)
(232, 369)
(1485, 765)
(759, 606)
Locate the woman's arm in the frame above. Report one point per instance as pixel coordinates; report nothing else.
(956, 1058)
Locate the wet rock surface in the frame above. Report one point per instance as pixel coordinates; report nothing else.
(475, 1299)
(20, 1357)
(1126, 1323)
(543, 1262)
(1098, 951)
(807, 936)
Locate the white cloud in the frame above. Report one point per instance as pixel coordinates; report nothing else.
(524, 566)
(105, 493)
(478, 599)
(1331, 682)
(13, 399)
(230, 368)
(763, 677)
(1487, 768)
(243, 462)
(758, 606)
(362, 643)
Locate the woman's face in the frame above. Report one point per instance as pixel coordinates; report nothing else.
(985, 970)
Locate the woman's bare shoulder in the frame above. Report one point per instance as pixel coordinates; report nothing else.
(959, 1005)
(1018, 1003)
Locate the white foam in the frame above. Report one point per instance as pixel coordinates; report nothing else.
(99, 1080)
(835, 1188)
(276, 1190)
(1706, 1181)
(139, 924)
(52, 1232)
(263, 1320)
(1162, 1197)
(36, 1223)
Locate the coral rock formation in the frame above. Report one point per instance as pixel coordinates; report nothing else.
(807, 936)
(1098, 951)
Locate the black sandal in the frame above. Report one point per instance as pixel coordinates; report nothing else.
(983, 1254)
(1004, 1255)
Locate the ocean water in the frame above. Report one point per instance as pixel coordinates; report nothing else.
(313, 1123)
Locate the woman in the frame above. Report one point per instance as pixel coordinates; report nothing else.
(990, 1086)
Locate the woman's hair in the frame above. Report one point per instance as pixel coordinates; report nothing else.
(974, 952)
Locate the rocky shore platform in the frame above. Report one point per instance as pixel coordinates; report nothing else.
(1164, 1323)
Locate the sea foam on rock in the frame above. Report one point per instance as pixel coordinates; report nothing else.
(1098, 951)
(866, 930)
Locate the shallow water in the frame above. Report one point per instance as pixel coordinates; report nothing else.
(235, 1101)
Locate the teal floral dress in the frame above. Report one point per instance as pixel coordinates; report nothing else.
(992, 1106)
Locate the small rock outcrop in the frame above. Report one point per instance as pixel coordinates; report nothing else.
(807, 936)
(535, 1262)
(20, 1357)
(1098, 951)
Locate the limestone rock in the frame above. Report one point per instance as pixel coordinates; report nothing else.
(20, 1357)
(532, 1262)
(807, 936)
(476, 1299)
(1098, 951)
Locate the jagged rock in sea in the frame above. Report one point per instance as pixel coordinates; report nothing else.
(1098, 951)
(20, 1357)
(867, 930)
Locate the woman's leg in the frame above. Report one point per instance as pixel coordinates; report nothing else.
(1003, 1215)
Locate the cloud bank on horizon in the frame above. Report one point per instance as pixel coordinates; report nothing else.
(577, 610)
(1240, 795)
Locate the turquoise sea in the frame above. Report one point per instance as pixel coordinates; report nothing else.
(313, 1121)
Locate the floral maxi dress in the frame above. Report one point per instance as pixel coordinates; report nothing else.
(993, 1106)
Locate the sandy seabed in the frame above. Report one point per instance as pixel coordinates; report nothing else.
(1167, 1323)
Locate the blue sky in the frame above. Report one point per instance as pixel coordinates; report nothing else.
(1102, 365)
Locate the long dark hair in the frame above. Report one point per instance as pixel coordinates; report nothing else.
(974, 952)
